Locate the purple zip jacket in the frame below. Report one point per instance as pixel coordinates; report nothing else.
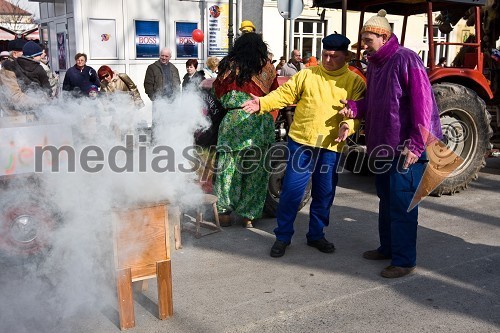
(398, 99)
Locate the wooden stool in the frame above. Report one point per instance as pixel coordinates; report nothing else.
(206, 199)
(142, 251)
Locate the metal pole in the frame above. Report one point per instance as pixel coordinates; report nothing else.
(285, 44)
(230, 33)
(238, 14)
(290, 32)
(430, 37)
(344, 17)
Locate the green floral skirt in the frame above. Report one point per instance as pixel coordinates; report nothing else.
(241, 181)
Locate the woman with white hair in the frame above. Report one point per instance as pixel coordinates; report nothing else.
(211, 67)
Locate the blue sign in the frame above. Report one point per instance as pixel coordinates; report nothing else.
(147, 39)
(186, 46)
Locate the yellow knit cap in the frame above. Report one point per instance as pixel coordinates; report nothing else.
(378, 24)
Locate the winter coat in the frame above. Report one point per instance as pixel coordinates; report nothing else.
(153, 81)
(289, 69)
(398, 100)
(192, 83)
(209, 74)
(121, 82)
(53, 79)
(14, 102)
(30, 75)
(80, 78)
(317, 93)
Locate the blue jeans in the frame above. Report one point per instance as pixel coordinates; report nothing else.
(397, 227)
(303, 162)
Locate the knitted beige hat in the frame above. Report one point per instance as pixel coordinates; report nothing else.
(378, 24)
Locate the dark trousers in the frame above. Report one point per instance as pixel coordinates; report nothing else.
(304, 162)
(397, 227)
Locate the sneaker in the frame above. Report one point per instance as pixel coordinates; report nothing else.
(375, 255)
(278, 249)
(323, 245)
(392, 272)
(247, 223)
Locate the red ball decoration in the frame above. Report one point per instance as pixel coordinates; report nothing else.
(198, 35)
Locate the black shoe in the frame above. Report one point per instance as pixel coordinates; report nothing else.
(278, 249)
(323, 245)
(375, 255)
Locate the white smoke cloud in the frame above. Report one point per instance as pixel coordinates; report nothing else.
(77, 272)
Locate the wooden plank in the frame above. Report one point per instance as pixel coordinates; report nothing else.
(140, 239)
(174, 219)
(166, 234)
(140, 286)
(177, 237)
(125, 298)
(199, 219)
(164, 279)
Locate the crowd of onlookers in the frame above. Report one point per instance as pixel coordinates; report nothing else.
(27, 80)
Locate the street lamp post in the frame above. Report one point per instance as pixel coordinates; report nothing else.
(230, 33)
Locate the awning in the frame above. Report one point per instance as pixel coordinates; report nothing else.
(5, 35)
(34, 35)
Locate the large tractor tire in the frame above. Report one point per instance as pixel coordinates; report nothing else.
(278, 167)
(466, 130)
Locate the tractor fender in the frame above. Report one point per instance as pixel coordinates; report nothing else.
(468, 78)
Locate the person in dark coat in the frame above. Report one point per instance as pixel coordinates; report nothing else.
(29, 73)
(161, 82)
(193, 78)
(80, 76)
(15, 47)
(25, 85)
(162, 78)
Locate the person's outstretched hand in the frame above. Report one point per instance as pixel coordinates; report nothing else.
(252, 105)
(346, 111)
(343, 133)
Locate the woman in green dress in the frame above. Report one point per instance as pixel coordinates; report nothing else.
(243, 140)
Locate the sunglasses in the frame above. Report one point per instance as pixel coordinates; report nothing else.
(104, 76)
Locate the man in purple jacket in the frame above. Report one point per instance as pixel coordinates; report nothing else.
(397, 104)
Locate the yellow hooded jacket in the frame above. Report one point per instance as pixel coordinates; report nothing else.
(317, 93)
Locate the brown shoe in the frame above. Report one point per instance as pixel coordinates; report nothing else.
(374, 255)
(225, 220)
(247, 223)
(392, 272)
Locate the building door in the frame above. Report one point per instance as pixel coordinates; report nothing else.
(62, 46)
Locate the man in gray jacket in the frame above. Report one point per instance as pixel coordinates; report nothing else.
(162, 78)
(293, 65)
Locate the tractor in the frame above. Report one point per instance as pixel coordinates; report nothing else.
(467, 92)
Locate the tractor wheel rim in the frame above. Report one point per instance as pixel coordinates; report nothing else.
(24, 229)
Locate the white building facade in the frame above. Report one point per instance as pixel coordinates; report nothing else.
(128, 34)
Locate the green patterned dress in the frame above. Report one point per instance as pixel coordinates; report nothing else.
(243, 141)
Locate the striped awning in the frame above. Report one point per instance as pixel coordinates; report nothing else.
(6, 35)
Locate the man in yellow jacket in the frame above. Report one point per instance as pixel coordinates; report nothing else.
(315, 140)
